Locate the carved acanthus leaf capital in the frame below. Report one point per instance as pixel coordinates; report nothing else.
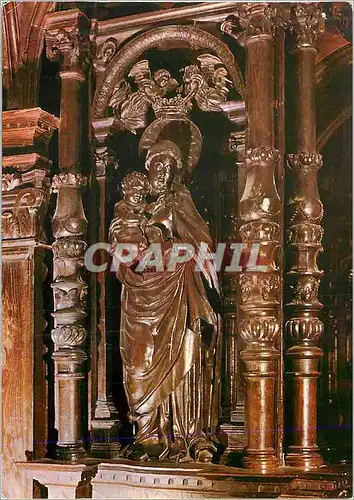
(68, 41)
(68, 180)
(306, 21)
(254, 20)
(305, 160)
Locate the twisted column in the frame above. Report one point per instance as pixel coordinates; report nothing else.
(67, 42)
(304, 327)
(259, 212)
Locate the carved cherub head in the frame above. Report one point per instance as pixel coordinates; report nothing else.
(135, 187)
(162, 78)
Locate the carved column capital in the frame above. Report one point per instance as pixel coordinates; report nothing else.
(254, 20)
(307, 20)
(68, 41)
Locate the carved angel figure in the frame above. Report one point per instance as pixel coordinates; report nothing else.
(208, 84)
(131, 107)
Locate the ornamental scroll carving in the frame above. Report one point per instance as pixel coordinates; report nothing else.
(25, 199)
(206, 83)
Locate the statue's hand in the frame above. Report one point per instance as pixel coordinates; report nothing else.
(154, 234)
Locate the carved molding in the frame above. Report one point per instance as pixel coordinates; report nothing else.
(303, 330)
(25, 162)
(28, 127)
(261, 155)
(260, 330)
(69, 337)
(305, 160)
(68, 180)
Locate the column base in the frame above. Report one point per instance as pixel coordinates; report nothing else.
(262, 460)
(232, 436)
(305, 458)
(70, 452)
(105, 442)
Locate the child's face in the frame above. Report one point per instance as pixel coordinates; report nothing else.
(135, 195)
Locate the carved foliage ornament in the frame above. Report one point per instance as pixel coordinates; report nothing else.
(258, 19)
(70, 46)
(71, 336)
(306, 22)
(106, 53)
(305, 160)
(206, 83)
(23, 217)
(305, 233)
(68, 179)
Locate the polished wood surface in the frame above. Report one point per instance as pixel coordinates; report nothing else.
(227, 62)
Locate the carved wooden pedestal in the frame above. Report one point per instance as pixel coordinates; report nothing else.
(25, 194)
(126, 479)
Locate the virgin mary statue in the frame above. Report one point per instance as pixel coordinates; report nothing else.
(169, 332)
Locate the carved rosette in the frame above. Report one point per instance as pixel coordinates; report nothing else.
(306, 22)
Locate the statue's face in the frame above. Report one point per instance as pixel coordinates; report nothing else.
(135, 195)
(161, 172)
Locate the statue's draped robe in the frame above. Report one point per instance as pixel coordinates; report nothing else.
(170, 341)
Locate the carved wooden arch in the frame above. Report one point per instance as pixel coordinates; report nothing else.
(184, 37)
(23, 40)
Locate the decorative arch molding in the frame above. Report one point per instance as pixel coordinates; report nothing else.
(333, 126)
(181, 37)
(333, 74)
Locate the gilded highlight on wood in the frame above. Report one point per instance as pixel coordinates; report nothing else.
(176, 250)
